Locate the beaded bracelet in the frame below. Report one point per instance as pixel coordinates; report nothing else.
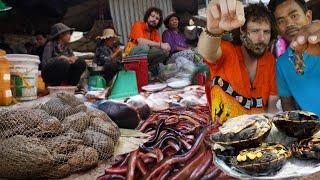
(208, 33)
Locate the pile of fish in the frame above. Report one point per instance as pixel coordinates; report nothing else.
(187, 97)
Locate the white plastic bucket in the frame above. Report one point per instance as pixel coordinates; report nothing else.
(24, 74)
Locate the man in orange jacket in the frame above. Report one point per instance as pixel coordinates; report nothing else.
(145, 39)
(243, 71)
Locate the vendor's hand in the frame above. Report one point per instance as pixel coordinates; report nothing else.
(309, 34)
(118, 52)
(72, 59)
(63, 58)
(224, 15)
(166, 47)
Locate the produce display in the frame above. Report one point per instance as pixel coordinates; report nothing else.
(176, 150)
(297, 124)
(54, 139)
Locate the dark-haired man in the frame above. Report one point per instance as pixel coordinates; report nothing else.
(41, 41)
(298, 69)
(242, 71)
(145, 38)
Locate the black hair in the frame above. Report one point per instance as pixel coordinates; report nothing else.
(167, 19)
(39, 33)
(100, 43)
(148, 13)
(28, 45)
(257, 12)
(273, 4)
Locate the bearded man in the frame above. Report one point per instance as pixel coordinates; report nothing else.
(144, 39)
(242, 72)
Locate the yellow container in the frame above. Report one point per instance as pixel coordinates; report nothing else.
(5, 91)
(5, 97)
(40, 83)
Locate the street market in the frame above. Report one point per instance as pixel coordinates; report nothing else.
(152, 89)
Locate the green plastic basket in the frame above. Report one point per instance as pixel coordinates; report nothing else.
(124, 85)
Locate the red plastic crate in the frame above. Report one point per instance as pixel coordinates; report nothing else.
(139, 64)
(201, 78)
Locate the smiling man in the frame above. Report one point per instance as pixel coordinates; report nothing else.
(298, 69)
(242, 72)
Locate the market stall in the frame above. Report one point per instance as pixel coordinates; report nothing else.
(168, 134)
(175, 141)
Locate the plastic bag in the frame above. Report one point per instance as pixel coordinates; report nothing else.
(168, 71)
(181, 69)
(183, 64)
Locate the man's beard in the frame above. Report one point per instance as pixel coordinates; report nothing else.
(152, 25)
(254, 50)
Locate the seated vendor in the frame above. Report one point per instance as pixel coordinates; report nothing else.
(243, 71)
(172, 35)
(144, 39)
(108, 54)
(59, 64)
(176, 39)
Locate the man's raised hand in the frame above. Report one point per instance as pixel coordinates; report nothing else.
(224, 15)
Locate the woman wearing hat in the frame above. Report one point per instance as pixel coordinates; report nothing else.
(176, 39)
(172, 35)
(59, 64)
(108, 54)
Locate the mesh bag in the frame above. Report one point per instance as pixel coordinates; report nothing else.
(55, 139)
(63, 105)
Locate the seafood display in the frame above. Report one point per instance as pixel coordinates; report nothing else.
(261, 161)
(307, 149)
(297, 124)
(240, 148)
(189, 96)
(123, 115)
(243, 131)
(176, 150)
(62, 137)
